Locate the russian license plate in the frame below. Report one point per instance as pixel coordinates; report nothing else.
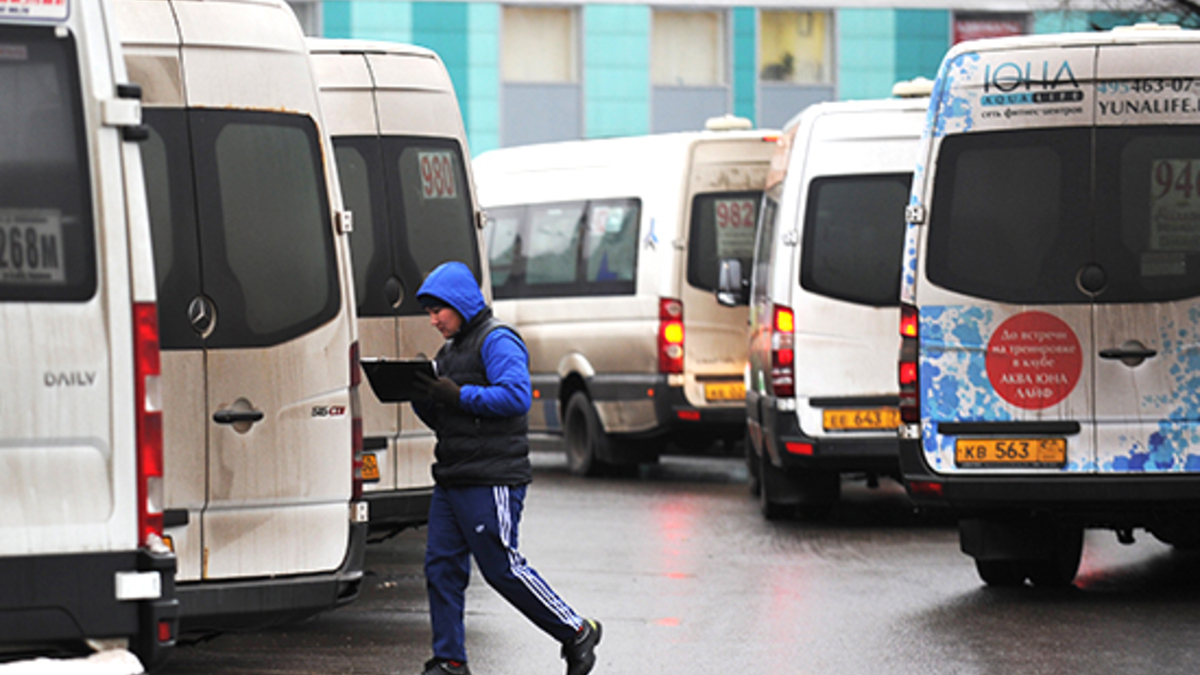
(370, 468)
(869, 419)
(975, 453)
(724, 391)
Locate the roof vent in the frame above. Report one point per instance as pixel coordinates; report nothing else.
(727, 122)
(918, 87)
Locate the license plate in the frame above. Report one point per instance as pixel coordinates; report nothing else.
(974, 453)
(370, 468)
(725, 391)
(861, 419)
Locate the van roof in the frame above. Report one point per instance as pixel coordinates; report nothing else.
(1126, 35)
(863, 106)
(349, 46)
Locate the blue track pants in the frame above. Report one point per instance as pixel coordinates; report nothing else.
(481, 521)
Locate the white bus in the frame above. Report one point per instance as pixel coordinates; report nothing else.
(605, 255)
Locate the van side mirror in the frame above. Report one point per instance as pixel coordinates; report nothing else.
(733, 289)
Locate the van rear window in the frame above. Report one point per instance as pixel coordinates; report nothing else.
(47, 240)
(854, 237)
(722, 228)
(564, 249)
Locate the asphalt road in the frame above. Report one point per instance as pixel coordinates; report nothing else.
(688, 578)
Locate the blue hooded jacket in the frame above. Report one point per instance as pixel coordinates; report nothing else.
(504, 355)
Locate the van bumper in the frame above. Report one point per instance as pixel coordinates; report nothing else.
(395, 510)
(57, 598)
(874, 455)
(1102, 500)
(252, 604)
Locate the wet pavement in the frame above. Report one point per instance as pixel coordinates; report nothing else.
(689, 578)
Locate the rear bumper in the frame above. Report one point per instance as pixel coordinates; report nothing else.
(1101, 500)
(56, 598)
(396, 510)
(250, 604)
(843, 454)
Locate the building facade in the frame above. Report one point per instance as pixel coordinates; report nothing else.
(538, 71)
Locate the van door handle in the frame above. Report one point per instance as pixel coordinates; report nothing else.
(1123, 353)
(235, 416)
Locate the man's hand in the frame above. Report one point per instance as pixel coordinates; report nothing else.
(445, 391)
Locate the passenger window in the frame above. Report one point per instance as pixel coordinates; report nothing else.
(503, 241)
(1011, 213)
(722, 228)
(611, 244)
(47, 247)
(553, 253)
(854, 238)
(267, 242)
(764, 241)
(1148, 233)
(358, 167)
(438, 222)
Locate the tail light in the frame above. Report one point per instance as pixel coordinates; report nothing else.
(670, 336)
(783, 355)
(148, 394)
(356, 426)
(910, 398)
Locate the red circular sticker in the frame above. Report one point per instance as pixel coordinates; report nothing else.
(1034, 360)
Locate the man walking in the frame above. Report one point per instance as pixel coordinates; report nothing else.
(478, 406)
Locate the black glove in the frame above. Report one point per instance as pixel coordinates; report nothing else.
(445, 391)
(421, 384)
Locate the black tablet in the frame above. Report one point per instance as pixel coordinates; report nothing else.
(394, 381)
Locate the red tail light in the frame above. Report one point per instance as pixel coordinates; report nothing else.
(783, 355)
(148, 395)
(670, 335)
(910, 397)
(356, 425)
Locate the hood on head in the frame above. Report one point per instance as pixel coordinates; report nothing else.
(453, 284)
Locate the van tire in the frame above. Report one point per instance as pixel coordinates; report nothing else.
(819, 491)
(772, 482)
(1059, 567)
(1001, 573)
(583, 437)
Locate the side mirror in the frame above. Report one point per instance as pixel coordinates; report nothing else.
(733, 289)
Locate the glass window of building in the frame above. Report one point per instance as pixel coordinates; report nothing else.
(795, 47)
(688, 48)
(538, 45)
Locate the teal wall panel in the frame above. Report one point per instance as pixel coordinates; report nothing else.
(745, 63)
(616, 70)
(443, 27)
(483, 76)
(922, 38)
(866, 53)
(1060, 22)
(368, 19)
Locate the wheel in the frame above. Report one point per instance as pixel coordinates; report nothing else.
(819, 491)
(1058, 569)
(583, 436)
(769, 485)
(752, 469)
(1001, 573)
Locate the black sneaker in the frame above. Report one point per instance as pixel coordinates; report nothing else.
(443, 667)
(580, 652)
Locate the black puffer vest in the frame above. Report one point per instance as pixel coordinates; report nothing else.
(477, 450)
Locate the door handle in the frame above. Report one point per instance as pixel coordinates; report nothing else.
(235, 416)
(1123, 353)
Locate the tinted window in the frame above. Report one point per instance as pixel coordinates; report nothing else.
(1010, 219)
(761, 276)
(266, 240)
(854, 237)
(431, 211)
(47, 249)
(361, 177)
(1148, 213)
(722, 228)
(564, 249)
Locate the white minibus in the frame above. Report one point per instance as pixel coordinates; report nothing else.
(606, 256)
(822, 395)
(81, 482)
(1050, 297)
(405, 175)
(256, 312)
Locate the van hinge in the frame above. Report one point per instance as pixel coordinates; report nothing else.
(791, 238)
(125, 113)
(914, 214)
(345, 222)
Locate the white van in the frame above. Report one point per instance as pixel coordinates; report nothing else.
(605, 255)
(81, 552)
(403, 163)
(822, 397)
(256, 311)
(1050, 289)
